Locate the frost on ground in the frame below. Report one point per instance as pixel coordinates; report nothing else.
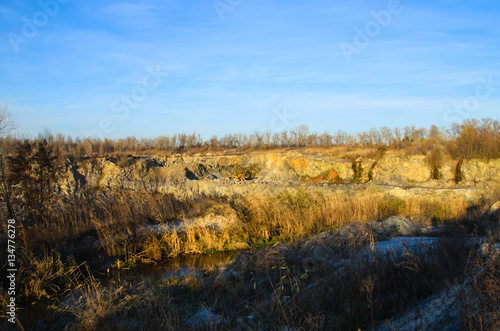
(444, 309)
(437, 312)
(398, 246)
(211, 220)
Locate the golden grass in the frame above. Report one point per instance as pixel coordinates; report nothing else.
(113, 219)
(299, 214)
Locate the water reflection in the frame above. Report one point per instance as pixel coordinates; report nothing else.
(33, 316)
(180, 267)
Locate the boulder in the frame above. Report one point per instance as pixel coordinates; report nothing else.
(395, 226)
(495, 208)
(481, 170)
(205, 319)
(396, 170)
(491, 221)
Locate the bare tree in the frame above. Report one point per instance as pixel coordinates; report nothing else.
(434, 132)
(182, 139)
(302, 131)
(7, 123)
(398, 137)
(213, 142)
(386, 134)
(276, 139)
(326, 139)
(312, 139)
(6, 126)
(267, 138)
(285, 140)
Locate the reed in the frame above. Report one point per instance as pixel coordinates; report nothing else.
(103, 225)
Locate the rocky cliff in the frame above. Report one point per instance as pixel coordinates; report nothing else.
(271, 172)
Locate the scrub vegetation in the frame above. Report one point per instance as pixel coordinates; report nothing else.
(67, 244)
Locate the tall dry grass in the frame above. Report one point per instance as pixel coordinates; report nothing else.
(283, 217)
(299, 213)
(100, 226)
(115, 217)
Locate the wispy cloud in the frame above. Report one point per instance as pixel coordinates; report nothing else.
(5, 10)
(128, 9)
(265, 55)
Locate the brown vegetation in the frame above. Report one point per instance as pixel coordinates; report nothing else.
(285, 287)
(472, 139)
(103, 228)
(66, 239)
(475, 139)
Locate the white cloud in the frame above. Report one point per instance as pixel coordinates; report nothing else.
(128, 9)
(5, 10)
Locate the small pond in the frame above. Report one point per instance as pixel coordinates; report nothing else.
(32, 316)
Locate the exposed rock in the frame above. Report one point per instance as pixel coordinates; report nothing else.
(490, 249)
(336, 244)
(211, 221)
(495, 208)
(400, 169)
(205, 319)
(398, 246)
(490, 223)
(333, 245)
(395, 226)
(246, 323)
(321, 247)
(438, 312)
(228, 175)
(481, 170)
(73, 180)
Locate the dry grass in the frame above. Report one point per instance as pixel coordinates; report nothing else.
(102, 227)
(91, 304)
(480, 306)
(300, 214)
(44, 277)
(279, 288)
(282, 287)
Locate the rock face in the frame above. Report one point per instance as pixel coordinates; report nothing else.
(266, 173)
(395, 226)
(206, 319)
(481, 171)
(491, 220)
(397, 169)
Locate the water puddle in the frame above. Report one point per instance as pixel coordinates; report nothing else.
(31, 317)
(180, 267)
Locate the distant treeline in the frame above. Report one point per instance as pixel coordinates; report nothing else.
(471, 139)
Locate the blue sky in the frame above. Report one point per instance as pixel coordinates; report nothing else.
(85, 67)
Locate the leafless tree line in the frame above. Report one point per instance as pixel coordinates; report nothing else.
(472, 138)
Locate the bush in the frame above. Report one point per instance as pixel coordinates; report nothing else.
(475, 139)
(435, 159)
(34, 172)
